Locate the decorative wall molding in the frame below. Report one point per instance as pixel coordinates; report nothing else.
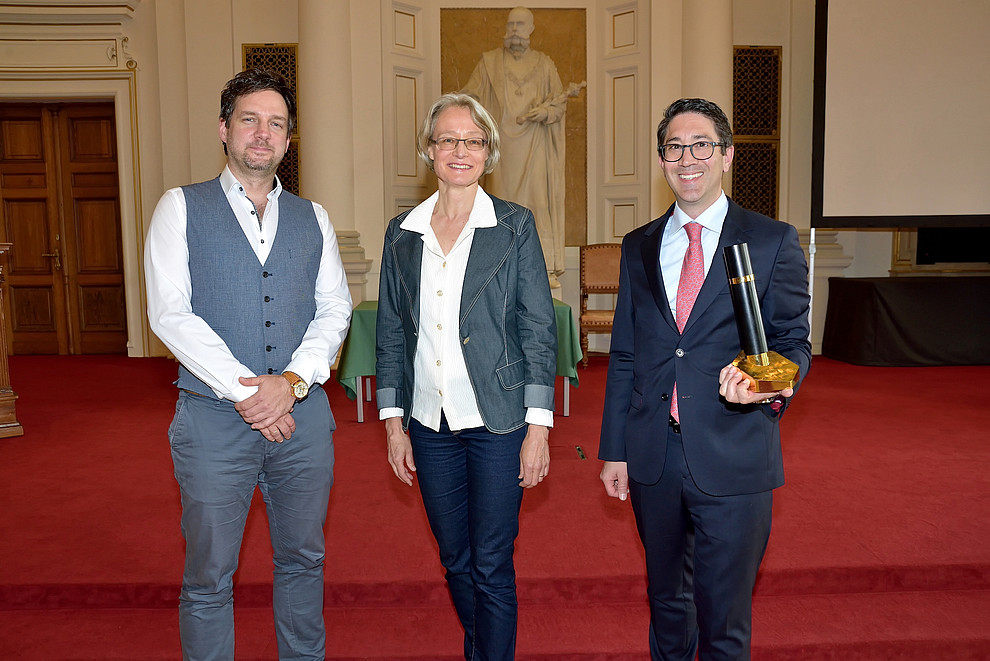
(54, 12)
(408, 38)
(623, 63)
(65, 54)
(44, 35)
(41, 18)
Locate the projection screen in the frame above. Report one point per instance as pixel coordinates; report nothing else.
(901, 114)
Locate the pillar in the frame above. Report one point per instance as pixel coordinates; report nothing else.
(326, 126)
(706, 56)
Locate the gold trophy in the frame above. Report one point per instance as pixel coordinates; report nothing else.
(768, 370)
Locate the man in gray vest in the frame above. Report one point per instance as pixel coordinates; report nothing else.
(246, 288)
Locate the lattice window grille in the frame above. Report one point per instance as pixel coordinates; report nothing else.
(288, 169)
(756, 127)
(754, 176)
(281, 58)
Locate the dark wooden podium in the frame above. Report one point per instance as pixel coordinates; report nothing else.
(8, 416)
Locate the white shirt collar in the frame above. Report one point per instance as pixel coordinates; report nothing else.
(482, 213)
(229, 181)
(711, 218)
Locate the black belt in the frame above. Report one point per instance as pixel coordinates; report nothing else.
(674, 425)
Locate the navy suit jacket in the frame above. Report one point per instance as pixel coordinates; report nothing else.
(731, 449)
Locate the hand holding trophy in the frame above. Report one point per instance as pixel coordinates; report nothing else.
(768, 370)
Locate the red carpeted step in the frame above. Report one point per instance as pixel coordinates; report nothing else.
(907, 626)
(914, 626)
(380, 634)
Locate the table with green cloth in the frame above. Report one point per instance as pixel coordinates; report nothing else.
(357, 354)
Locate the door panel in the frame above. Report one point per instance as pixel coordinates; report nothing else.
(22, 138)
(28, 225)
(59, 206)
(94, 261)
(35, 295)
(34, 299)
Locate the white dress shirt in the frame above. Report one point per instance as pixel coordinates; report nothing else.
(190, 338)
(442, 383)
(674, 244)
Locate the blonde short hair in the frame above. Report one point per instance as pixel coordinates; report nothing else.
(479, 115)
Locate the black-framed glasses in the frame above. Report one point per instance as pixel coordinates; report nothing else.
(702, 151)
(450, 144)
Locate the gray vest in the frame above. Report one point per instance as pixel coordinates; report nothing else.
(261, 312)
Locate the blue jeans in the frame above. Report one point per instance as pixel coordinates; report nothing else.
(470, 486)
(219, 460)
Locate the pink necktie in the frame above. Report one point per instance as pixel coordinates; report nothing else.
(692, 277)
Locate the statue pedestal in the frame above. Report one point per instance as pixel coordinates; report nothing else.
(8, 416)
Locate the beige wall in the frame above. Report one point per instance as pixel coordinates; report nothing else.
(184, 50)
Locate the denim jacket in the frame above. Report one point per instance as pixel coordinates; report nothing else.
(507, 326)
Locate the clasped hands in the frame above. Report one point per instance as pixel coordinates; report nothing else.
(269, 410)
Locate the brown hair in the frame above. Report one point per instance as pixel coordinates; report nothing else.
(250, 81)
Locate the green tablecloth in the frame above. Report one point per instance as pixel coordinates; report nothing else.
(357, 354)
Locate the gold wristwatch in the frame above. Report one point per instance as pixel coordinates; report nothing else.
(299, 387)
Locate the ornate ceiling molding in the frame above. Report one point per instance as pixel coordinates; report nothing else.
(66, 34)
(81, 12)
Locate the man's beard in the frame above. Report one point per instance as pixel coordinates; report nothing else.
(258, 164)
(516, 44)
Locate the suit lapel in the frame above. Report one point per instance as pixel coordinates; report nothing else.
(408, 254)
(650, 254)
(489, 250)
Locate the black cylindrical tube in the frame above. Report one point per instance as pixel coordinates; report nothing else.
(742, 286)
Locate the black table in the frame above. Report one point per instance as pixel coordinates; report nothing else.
(908, 321)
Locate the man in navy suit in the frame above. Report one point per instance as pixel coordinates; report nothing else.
(682, 434)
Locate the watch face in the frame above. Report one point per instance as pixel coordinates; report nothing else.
(300, 389)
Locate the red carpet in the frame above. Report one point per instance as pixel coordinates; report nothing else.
(880, 547)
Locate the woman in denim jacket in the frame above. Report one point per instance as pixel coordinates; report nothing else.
(467, 351)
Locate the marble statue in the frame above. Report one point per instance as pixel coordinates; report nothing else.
(520, 87)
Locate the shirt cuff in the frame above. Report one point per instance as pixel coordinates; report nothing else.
(302, 370)
(535, 416)
(390, 413)
(238, 393)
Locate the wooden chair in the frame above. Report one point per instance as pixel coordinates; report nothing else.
(599, 275)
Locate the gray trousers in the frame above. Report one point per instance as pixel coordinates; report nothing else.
(219, 460)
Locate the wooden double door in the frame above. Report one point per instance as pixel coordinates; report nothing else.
(60, 208)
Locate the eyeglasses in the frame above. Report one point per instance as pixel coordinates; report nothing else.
(700, 150)
(450, 144)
